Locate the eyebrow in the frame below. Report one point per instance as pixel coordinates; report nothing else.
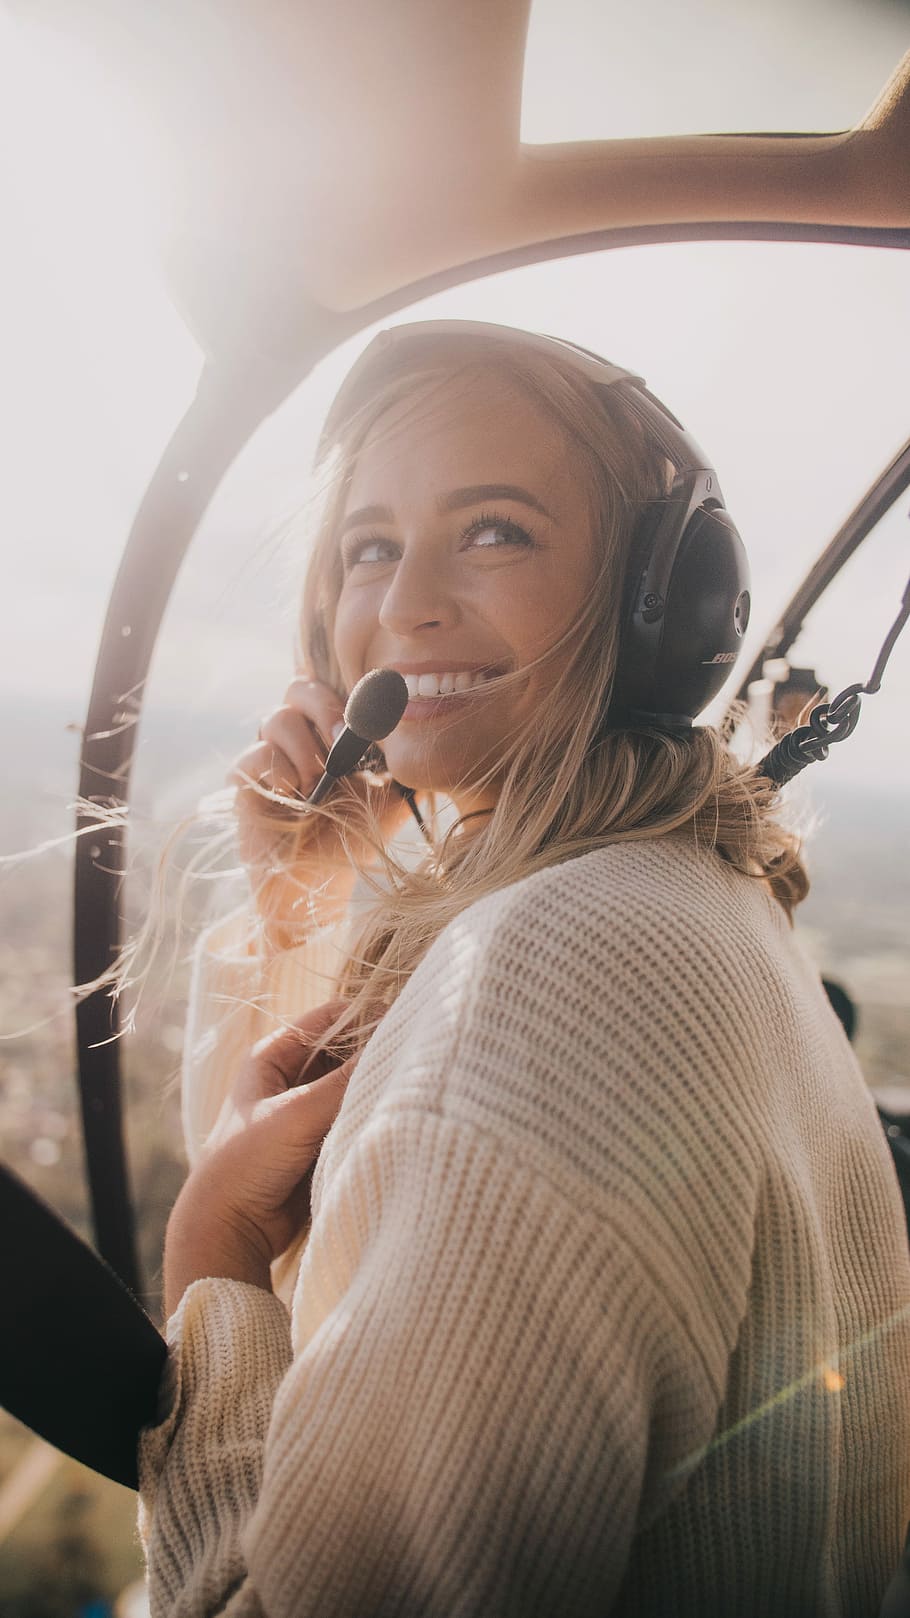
(479, 492)
(474, 495)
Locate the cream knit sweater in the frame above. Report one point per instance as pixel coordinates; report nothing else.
(606, 1304)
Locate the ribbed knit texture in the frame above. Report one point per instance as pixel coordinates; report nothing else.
(606, 1304)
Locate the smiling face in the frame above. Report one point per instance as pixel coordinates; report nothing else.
(467, 551)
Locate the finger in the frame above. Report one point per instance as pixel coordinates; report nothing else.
(318, 703)
(268, 766)
(314, 1023)
(281, 1061)
(300, 1119)
(299, 740)
(290, 1051)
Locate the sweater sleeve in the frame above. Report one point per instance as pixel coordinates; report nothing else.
(229, 1346)
(486, 1378)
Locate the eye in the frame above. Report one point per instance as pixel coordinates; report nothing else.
(366, 549)
(491, 532)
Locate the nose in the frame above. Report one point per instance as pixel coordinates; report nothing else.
(419, 596)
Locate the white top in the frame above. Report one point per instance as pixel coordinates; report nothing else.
(606, 1303)
(235, 1001)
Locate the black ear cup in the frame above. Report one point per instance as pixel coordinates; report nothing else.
(707, 614)
(685, 617)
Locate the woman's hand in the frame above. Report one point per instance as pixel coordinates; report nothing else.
(248, 1197)
(288, 758)
(287, 864)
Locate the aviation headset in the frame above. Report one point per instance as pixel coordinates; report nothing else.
(686, 595)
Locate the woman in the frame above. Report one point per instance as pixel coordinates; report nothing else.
(605, 1305)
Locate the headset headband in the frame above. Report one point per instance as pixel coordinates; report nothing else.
(389, 350)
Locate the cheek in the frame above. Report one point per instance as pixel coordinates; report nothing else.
(575, 585)
(534, 617)
(348, 635)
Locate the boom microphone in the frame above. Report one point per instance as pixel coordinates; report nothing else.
(373, 709)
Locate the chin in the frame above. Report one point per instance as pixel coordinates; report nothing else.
(451, 775)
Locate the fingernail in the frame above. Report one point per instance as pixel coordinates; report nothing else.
(337, 729)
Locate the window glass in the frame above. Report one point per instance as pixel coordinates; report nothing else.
(856, 921)
(601, 70)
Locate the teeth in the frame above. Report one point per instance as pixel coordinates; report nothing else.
(442, 685)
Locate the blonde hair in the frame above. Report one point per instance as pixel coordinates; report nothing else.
(567, 782)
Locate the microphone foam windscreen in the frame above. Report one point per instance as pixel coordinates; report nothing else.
(376, 704)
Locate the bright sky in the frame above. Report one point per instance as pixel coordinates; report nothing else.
(788, 362)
